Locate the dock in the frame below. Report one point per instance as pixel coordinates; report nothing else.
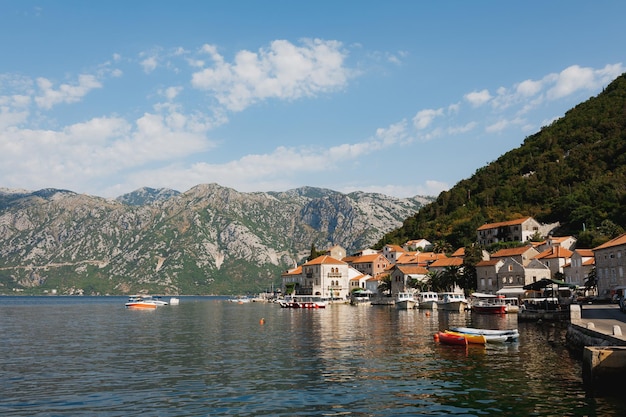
(597, 332)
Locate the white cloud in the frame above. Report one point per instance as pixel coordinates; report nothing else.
(428, 188)
(456, 130)
(394, 134)
(478, 98)
(575, 78)
(172, 92)
(284, 71)
(424, 118)
(149, 64)
(529, 88)
(66, 93)
(499, 126)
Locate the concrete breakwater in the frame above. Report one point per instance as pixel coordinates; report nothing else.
(598, 340)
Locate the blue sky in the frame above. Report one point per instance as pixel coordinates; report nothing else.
(399, 97)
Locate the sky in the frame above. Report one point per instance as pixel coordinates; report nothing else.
(403, 98)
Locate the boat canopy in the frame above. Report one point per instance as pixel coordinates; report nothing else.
(483, 295)
(511, 291)
(546, 282)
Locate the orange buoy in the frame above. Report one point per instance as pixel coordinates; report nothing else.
(428, 314)
(436, 337)
(262, 321)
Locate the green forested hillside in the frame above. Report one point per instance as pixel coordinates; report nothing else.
(573, 171)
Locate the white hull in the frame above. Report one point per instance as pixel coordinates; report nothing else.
(428, 305)
(452, 301)
(510, 335)
(453, 306)
(406, 304)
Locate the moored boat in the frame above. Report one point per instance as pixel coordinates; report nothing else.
(510, 334)
(512, 304)
(361, 297)
(450, 339)
(477, 339)
(156, 299)
(140, 302)
(488, 303)
(302, 301)
(427, 300)
(240, 300)
(405, 301)
(452, 301)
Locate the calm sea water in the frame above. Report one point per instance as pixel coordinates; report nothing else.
(89, 356)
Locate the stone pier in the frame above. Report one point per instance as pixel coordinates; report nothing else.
(599, 339)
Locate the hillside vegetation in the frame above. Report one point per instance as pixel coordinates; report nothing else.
(573, 172)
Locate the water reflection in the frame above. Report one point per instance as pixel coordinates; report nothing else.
(210, 357)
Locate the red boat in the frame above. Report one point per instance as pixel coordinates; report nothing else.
(450, 339)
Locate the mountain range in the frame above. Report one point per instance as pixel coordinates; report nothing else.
(207, 240)
(215, 240)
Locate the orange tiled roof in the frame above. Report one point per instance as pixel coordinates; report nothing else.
(447, 262)
(366, 258)
(324, 260)
(559, 239)
(503, 224)
(407, 258)
(620, 240)
(459, 253)
(502, 253)
(412, 269)
(395, 248)
(587, 253)
(358, 278)
(295, 271)
(555, 252)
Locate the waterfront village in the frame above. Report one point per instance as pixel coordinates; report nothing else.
(520, 273)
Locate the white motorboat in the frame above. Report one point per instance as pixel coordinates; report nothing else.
(487, 303)
(156, 299)
(361, 297)
(140, 302)
(405, 301)
(452, 301)
(427, 300)
(240, 300)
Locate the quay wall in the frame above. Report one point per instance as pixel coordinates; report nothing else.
(581, 334)
(602, 349)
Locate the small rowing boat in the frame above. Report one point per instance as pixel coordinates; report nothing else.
(477, 339)
(450, 339)
(509, 335)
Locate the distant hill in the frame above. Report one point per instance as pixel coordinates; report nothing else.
(573, 171)
(207, 240)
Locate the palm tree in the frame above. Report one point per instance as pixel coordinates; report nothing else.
(451, 277)
(441, 246)
(591, 283)
(437, 281)
(385, 284)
